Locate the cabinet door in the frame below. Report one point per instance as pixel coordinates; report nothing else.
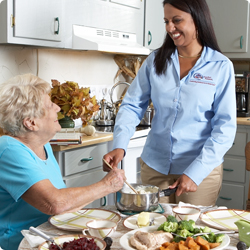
(231, 24)
(231, 196)
(154, 24)
(130, 3)
(38, 19)
(85, 179)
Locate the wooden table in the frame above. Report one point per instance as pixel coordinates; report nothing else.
(121, 230)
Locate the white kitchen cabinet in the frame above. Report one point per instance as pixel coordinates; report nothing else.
(231, 24)
(154, 32)
(234, 191)
(83, 167)
(30, 22)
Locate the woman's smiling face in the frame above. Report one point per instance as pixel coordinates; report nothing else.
(180, 26)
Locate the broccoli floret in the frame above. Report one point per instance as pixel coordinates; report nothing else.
(171, 218)
(177, 239)
(184, 224)
(161, 226)
(219, 238)
(211, 237)
(192, 223)
(184, 233)
(168, 227)
(206, 230)
(197, 230)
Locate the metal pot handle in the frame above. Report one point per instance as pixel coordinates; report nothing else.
(167, 192)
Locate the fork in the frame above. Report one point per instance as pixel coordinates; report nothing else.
(218, 232)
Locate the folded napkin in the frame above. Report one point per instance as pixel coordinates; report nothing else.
(33, 240)
(202, 208)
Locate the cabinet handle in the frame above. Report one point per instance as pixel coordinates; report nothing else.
(224, 198)
(241, 39)
(104, 201)
(228, 169)
(149, 37)
(87, 159)
(57, 20)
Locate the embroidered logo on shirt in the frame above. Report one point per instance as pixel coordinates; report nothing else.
(202, 79)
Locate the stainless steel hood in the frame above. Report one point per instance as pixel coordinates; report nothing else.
(89, 38)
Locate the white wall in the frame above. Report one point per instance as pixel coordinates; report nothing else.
(87, 68)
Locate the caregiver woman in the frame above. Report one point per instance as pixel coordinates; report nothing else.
(31, 185)
(192, 87)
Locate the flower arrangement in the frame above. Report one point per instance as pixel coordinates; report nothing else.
(74, 102)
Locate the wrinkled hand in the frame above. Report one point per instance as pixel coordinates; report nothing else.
(115, 179)
(113, 158)
(185, 185)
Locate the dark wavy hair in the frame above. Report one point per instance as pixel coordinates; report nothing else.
(200, 13)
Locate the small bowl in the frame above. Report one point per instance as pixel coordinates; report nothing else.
(186, 213)
(100, 228)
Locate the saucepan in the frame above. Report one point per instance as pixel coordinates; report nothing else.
(147, 199)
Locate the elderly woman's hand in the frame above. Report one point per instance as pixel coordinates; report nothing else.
(115, 179)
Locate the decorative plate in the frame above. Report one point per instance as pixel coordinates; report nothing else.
(124, 241)
(131, 221)
(224, 218)
(65, 238)
(76, 221)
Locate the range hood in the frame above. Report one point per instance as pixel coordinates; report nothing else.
(89, 38)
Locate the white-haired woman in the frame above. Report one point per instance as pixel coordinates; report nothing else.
(31, 185)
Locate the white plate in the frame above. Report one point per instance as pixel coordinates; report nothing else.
(65, 238)
(76, 221)
(224, 218)
(131, 221)
(124, 241)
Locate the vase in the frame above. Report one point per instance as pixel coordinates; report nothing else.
(67, 122)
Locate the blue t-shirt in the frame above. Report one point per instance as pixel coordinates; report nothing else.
(20, 168)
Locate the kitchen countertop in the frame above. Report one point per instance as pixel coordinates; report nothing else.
(98, 137)
(243, 120)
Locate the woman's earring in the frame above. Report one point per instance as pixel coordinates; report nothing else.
(197, 35)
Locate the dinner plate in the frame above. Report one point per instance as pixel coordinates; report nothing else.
(66, 238)
(224, 218)
(124, 241)
(76, 221)
(131, 221)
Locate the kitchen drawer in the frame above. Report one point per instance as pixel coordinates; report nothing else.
(231, 196)
(92, 155)
(239, 144)
(85, 179)
(234, 170)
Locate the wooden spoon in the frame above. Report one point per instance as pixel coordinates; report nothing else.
(125, 181)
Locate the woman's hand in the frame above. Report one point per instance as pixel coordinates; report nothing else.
(113, 158)
(185, 185)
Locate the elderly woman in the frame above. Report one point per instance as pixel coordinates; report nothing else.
(31, 185)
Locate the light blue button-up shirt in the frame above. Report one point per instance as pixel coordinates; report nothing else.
(195, 118)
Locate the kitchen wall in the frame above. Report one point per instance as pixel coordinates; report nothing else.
(88, 68)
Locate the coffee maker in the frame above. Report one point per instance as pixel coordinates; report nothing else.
(242, 82)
